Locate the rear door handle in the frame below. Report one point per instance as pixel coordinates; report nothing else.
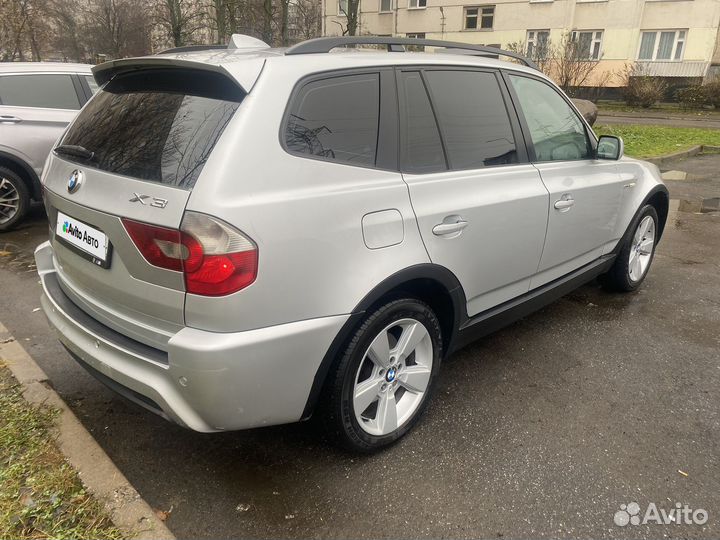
(565, 203)
(448, 227)
(8, 119)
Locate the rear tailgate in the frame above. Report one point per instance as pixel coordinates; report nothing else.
(150, 133)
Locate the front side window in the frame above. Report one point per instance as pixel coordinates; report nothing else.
(663, 45)
(473, 119)
(556, 131)
(589, 44)
(336, 119)
(421, 146)
(479, 17)
(44, 91)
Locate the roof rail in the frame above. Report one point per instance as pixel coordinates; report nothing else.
(237, 41)
(191, 48)
(397, 44)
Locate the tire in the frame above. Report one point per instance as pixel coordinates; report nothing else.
(633, 261)
(13, 191)
(388, 381)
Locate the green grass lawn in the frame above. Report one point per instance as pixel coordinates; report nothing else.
(40, 493)
(666, 108)
(651, 141)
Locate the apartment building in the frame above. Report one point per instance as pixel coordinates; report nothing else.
(677, 39)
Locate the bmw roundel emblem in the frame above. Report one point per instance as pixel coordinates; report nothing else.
(75, 180)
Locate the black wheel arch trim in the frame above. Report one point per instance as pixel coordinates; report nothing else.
(662, 215)
(427, 271)
(34, 187)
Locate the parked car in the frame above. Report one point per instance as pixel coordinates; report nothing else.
(242, 238)
(37, 102)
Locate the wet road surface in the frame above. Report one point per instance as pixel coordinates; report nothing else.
(541, 430)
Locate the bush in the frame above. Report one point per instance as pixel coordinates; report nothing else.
(644, 91)
(691, 97)
(712, 93)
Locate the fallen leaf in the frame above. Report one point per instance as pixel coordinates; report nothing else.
(242, 507)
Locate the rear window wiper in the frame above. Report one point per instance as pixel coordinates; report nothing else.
(75, 151)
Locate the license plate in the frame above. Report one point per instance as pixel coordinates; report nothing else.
(86, 241)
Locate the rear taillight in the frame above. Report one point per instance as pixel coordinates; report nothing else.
(215, 258)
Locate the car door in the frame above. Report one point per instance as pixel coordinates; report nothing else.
(585, 193)
(481, 207)
(35, 108)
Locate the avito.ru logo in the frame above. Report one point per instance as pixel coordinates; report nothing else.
(682, 514)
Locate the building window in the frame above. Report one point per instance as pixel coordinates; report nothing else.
(662, 45)
(386, 5)
(485, 15)
(342, 7)
(537, 43)
(416, 35)
(589, 44)
(417, 4)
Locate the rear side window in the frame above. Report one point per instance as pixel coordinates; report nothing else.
(336, 119)
(44, 91)
(472, 116)
(159, 125)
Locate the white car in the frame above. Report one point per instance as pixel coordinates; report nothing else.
(245, 237)
(37, 102)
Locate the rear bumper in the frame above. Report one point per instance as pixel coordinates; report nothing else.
(205, 381)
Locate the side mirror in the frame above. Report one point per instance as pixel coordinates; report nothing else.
(610, 147)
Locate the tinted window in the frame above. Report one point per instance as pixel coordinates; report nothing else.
(556, 131)
(156, 126)
(422, 149)
(47, 91)
(337, 119)
(473, 118)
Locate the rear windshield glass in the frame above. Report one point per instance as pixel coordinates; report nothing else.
(158, 126)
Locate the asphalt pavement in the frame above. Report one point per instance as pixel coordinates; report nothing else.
(543, 429)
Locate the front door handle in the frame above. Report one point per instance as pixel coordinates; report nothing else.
(450, 225)
(564, 203)
(8, 119)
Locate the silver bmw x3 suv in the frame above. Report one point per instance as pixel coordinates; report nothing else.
(246, 237)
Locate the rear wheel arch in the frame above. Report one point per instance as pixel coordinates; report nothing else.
(24, 171)
(432, 284)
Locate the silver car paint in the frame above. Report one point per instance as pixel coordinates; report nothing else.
(249, 358)
(32, 137)
(213, 381)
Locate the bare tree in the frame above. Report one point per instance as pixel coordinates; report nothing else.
(572, 64)
(305, 19)
(23, 30)
(350, 10)
(117, 28)
(179, 21)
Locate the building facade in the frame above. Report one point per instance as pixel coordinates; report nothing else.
(669, 38)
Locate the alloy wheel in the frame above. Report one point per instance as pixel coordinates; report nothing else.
(393, 377)
(9, 200)
(641, 250)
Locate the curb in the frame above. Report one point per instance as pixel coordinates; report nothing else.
(692, 151)
(127, 509)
